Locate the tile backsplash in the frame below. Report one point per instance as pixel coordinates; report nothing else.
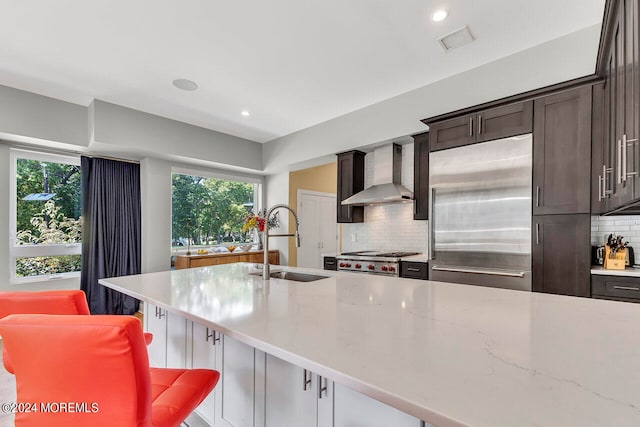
(627, 226)
(390, 226)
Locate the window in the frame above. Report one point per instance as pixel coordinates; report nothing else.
(46, 232)
(210, 210)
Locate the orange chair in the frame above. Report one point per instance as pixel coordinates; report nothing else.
(47, 302)
(94, 371)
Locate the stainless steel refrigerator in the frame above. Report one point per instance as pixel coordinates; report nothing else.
(480, 219)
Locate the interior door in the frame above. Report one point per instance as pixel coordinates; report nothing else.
(318, 227)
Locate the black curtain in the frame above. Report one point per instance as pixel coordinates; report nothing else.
(111, 237)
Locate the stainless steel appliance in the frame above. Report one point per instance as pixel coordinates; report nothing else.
(480, 219)
(374, 262)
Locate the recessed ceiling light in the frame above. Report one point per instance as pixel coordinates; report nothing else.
(245, 113)
(439, 15)
(185, 84)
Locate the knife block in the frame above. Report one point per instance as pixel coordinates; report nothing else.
(618, 260)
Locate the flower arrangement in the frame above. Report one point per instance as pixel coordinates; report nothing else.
(259, 220)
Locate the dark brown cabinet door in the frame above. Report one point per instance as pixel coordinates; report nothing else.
(421, 176)
(561, 255)
(562, 153)
(599, 156)
(502, 122)
(350, 181)
(452, 133)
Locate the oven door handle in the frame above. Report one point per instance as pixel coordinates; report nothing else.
(519, 274)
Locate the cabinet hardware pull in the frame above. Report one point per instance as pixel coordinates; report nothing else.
(209, 335)
(322, 388)
(599, 188)
(624, 157)
(306, 380)
(519, 274)
(415, 270)
(537, 196)
(632, 143)
(619, 159)
(537, 233)
(471, 126)
(156, 311)
(626, 288)
(479, 124)
(216, 337)
(605, 172)
(160, 313)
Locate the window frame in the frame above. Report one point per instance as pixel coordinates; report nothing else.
(28, 251)
(258, 192)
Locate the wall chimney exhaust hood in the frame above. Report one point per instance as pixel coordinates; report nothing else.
(386, 186)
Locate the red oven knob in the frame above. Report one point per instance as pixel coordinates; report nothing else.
(348, 265)
(392, 268)
(383, 268)
(342, 264)
(358, 266)
(371, 266)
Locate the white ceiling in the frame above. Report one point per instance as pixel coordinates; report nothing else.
(291, 63)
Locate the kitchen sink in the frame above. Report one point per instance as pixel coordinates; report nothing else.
(293, 275)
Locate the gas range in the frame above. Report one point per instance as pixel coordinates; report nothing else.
(373, 262)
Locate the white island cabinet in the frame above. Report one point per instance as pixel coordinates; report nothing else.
(392, 351)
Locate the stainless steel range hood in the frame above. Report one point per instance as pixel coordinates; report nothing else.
(386, 186)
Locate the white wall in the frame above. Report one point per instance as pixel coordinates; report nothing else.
(125, 130)
(559, 60)
(390, 226)
(155, 189)
(277, 186)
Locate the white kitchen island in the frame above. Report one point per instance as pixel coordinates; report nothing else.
(451, 355)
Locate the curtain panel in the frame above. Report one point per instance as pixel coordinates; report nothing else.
(111, 231)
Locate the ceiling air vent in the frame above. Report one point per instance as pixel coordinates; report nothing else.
(455, 39)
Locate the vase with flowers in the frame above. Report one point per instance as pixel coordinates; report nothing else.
(258, 222)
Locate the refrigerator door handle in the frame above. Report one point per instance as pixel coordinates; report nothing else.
(432, 226)
(453, 269)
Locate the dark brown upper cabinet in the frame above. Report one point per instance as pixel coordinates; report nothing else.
(350, 181)
(421, 176)
(562, 153)
(500, 122)
(618, 179)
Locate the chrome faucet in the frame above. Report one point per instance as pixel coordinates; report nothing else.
(265, 266)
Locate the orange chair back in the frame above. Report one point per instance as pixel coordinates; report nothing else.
(95, 365)
(43, 302)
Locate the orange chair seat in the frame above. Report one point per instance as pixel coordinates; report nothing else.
(174, 390)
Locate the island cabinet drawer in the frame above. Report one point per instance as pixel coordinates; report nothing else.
(414, 270)
(616, 287)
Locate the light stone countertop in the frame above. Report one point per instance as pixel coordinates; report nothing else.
(627, 272)
(452, 355)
